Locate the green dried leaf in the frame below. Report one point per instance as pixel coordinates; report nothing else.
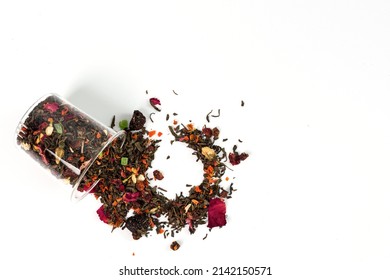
(58, 128)
(123, 124)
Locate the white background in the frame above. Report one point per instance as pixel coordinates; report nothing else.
(313, 197)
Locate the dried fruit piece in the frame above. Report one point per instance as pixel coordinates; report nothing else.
(175, 246)
(138, 224)
(138, 121)
(59, 154)
(158, 175)
(208, 153)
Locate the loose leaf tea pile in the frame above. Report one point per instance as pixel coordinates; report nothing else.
(61, 138)
(119, 175)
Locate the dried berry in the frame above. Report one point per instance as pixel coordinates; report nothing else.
(138, 225)
(158, 175)
(138, 121)
(175, 246)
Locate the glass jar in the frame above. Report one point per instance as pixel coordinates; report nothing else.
(65, 140)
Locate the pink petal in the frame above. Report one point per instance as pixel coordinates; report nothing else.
(189, 223)
(102, 214)
(51, 107)
(154, 101)
(130, 197)
(216, 213)
(42, 126)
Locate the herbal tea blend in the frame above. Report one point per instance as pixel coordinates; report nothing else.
(114, 166)
(62, 138)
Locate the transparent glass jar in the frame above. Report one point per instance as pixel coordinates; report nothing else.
(65, 140)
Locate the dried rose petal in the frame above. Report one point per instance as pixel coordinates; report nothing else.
(207, 132)
(41, 153)
(51, 107)
(86, 186)
(158, 175)
(102, 215)
(216, 213)
(130, 197)
(42, 126)
(243, 156)
(234, 158)
(216, 133)
(154, 101)
(68, 117)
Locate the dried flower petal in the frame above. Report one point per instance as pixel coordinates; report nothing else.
(42, 126)
(51, 107)
(133, 178)
(243, 156)
(207, 132)
(26, 146)
(59, 154)
(49, 130)
(190, 224)
(235, 158)
(187, 208)
(130, 197)
(208, 153)
(216, 213)
(141, 178)
(154, 101)
(102, 214)
(216, 133)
